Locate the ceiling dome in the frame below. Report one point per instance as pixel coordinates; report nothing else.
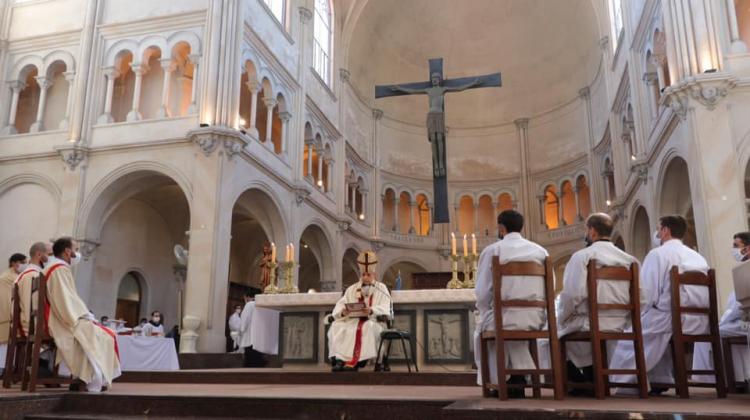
(545, 50)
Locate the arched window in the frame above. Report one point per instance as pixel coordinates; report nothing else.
(551, 208)
(323, 31)
(152, 84)
(405, 216)
(569, 211)
(422, 215)
(278, 8)
(466, 215)
(28, 100)
(584, 196)
(487, 219)
(124, 85)
(609, 178)
(55, 113)
(276, 123)
(389, 210)
(504, 202)
(129, 297)
(180, 93)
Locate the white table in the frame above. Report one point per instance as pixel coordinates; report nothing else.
(147, 353)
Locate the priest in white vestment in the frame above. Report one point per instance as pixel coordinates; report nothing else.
(731, 324)
(252, 358)
(88, 348)
(16, 263)
(573, 303)
(235, 324)
(656, 315)
(154, 327)
(354, 339)
(39, 254)
(512, 247)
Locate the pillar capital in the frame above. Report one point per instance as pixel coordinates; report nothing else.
(111, 72)
(377, 114)
(344, 75)
(285, 116)
(305, 14)
(584, 93)
(16, 86)
(69, 76)
(522, 123)
(139, 69)
(167, 64)
(43, 82)
(270, 103)
(253, 85)
(650, 77)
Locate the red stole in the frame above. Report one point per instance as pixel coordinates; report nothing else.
(358, 338)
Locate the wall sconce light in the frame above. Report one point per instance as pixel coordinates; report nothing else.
(361, 216)
(632, 157)
(242, 122)
(320, 183)
(609, 203)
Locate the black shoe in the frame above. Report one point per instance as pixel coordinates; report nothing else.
(581, 393)
(656, 392)
(338, 366)
(588, 373)
(574, 374)
(77, 386)
(516, 392)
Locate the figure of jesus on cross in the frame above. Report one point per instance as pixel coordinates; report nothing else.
(435, 89)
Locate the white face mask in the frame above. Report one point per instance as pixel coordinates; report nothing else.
(655, 241)
(737, 254)
(20, 268)
(75, 259)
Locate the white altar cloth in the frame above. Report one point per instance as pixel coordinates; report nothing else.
(147, 353)
(399, 297)
(264, 330)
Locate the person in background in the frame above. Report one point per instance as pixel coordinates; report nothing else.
(253, 358)
(16, 265)
(154, 327)
(235, 323)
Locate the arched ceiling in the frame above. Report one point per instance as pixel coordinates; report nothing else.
(546, 51)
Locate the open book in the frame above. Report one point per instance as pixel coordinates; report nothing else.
(357, 310)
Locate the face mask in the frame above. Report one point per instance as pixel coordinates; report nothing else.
(655, 240)
(588, 241)
(20, 268)
(238, 311)
(737, 254)
(75, 259)
(156, 319)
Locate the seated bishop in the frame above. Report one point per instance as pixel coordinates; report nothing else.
(88, 348)
(354, 334)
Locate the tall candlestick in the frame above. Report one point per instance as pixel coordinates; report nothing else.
(466, 247)
(273, 252)
(453, 243)
(474, 244)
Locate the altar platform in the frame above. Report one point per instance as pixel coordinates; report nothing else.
(441, 323)
(352, 402)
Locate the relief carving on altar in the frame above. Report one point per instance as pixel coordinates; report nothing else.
(298, 337)
(446, 337)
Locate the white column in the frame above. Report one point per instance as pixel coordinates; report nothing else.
(560, 213)
(412, 204)
(111, 74)
(578, 202)
(363, 214)
(70, 77)
(16, 87)
(354, 200)
(193, 108)
(254, 88)
(319, 181)
(382, 205)
(659, 63)
(456, 217)
(168, 67)
(542, 213)
(270, 105)
(139, 70)
(607, 192)
(309, 173)
(329, 162)
(429, 219)
(738, 46)
(395, 213)
(44, 86)
(285, 117)
(653, 91)
(476, 218)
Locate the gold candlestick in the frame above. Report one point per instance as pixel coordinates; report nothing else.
(289, 287)
(272, 289)
(455, 283)
(470, 271)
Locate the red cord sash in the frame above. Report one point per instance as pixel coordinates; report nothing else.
(358, 340)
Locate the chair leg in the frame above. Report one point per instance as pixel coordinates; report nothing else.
(34, 367)
(558, 375)
(640, 365)
(729, 366)
(680, 373)
(596, 356)
(406, 355)
(485, 367)
(26, 364)
(563, 362)
(721, 384)
(536, 387)
(9, 362)
(413, 354)
(502, 386)
(605, 365)
(379, 357)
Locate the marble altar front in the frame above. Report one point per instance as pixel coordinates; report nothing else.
(441, 322)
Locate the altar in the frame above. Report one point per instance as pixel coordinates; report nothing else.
(441, 322)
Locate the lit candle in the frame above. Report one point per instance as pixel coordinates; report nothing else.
(474, 244)
(466, 247)
(291, 247)
(287, 254)
(453, 243)
(273, 252)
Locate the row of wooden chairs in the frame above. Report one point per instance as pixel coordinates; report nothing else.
(26, 347)
(555, 376)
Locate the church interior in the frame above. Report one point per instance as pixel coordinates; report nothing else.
(200, 152)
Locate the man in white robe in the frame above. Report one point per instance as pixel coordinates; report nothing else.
(731, 324)
(16, 263)
(353, 339)
(253, 358)
(39, 254)
(88, 348)
(573, 303)
(235, 324)
(512, 247)
(656, 315)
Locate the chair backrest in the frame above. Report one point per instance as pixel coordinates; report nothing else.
(15, 319)
(523, 268)
(37, 316)
(612, 273)
(694, 278)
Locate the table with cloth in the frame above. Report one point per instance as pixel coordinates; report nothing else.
(147, 353)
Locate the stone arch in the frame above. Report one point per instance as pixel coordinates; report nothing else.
(28, 99)
(187, 37)
(675, 196)
(349, 267)
(316, 268)
(110, 58)
(505, 201)
(62, 56)
(124, 84)
(568, 201)
(641, 233)
(181, 84)
(408, 267)
(551, 207)
(131, 300)
(466, 214)
(584, 196)
(24, 64)
(389, 209)
(487, 215)
(404, 212)
(56, 110)
(422, 218)
(261, 116)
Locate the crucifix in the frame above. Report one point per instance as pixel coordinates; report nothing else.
(435, 89)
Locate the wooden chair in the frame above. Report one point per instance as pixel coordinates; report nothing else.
(15, 357)
(40, 341)
(598, 338)
(500, 335)
(733, 386)
(680, 340)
